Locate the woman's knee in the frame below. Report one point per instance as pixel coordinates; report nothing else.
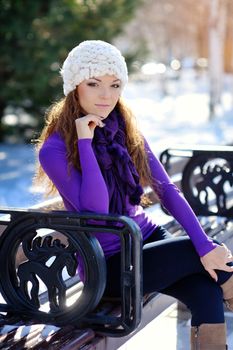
(202, 295)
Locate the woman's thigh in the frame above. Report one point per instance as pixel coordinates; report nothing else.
(167, 261)
(164, 262)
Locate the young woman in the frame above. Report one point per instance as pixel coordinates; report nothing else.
(97, 159)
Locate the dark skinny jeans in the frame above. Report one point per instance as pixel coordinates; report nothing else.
(172, 266)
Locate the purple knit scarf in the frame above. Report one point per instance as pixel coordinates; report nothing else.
(118, 170)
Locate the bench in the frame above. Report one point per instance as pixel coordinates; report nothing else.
(46, 304)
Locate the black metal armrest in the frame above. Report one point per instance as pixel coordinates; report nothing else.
(46, 247)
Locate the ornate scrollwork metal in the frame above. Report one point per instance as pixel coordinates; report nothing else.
(207, 177)
(208, 185)
(30, 256)
(45, 260)
(39, 251)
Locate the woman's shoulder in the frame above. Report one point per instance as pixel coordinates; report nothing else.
(55, 140)
(54, 144)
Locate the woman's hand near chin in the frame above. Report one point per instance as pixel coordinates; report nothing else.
(86, 125)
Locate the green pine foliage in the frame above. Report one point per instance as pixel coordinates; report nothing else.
(36, 37)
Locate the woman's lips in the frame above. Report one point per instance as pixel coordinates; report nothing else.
(102, 105)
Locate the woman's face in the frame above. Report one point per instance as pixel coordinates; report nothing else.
(99, 95)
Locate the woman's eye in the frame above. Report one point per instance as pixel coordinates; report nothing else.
(92, 84)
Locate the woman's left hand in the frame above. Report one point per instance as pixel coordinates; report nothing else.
(217, 259)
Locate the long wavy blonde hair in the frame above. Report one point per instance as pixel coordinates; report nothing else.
(60, 118)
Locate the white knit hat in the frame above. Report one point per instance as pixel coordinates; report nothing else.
(92, 58)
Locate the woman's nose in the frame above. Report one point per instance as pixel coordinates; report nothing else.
(105, 93)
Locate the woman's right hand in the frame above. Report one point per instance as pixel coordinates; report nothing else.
(86, 125)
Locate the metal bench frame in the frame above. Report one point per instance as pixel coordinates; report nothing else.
(206, 172)
(79, 230)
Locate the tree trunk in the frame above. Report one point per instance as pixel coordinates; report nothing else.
(217, 29)
(229, 47)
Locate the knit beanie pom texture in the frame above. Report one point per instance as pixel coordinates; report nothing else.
(92, 58)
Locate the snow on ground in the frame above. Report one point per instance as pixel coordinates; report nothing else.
(168, 112)
(181, 117)
(17, 164)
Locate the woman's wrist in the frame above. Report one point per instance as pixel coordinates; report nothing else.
(84, 142)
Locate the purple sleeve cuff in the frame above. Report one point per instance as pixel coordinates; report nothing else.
(206, 247)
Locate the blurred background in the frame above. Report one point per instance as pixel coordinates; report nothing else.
(180, 60)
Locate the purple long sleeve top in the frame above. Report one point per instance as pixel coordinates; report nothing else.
(87, 191)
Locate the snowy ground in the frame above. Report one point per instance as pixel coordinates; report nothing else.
(169, 113)
(182, 116)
